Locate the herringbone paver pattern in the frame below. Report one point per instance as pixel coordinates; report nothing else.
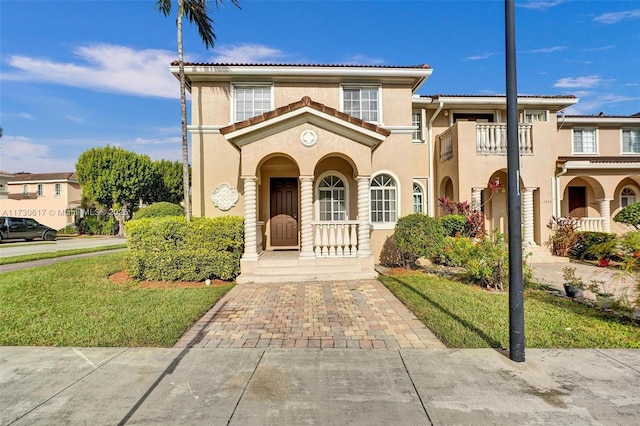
(337, 314)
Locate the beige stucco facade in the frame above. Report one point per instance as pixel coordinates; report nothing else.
(302, 132)
(46, 197)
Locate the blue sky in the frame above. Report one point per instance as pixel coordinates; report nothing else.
(80, 74)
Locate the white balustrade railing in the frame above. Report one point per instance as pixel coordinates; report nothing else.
(446, 145)
(491, 138)
(595, 224)
(335, 239)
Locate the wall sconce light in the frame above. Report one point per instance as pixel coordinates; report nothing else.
(446, 112)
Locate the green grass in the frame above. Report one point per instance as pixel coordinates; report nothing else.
(75, 304)
(466, 316)
(53, 254)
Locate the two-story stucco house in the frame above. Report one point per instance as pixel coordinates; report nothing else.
(46, 197)
(322, 160)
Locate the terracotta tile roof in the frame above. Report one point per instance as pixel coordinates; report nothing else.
(25, 176)
(620, 159)
(209, 64)
(305, 102)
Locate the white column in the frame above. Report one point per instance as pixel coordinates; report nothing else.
(364, 196)
(306, 227)
(605, 213)
(527, 212)
(250, 218)
(476, 198)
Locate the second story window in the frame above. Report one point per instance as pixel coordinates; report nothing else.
(40, 190)
(631, 141)
(416, 120)
(25, 189)
(57, 189)
(585, 141)
(362, 102)
(251, 100)
(534, 116)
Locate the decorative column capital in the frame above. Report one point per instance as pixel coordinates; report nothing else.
(530, 189)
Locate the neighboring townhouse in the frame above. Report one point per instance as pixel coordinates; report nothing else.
(48, 198)
(4, 184)
(322, 160)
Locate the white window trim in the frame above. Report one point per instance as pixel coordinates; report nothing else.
(631, 187)
(535, 111)
(597, 151)
(622, 152)
(40, 190)
(424, 197)
(421, 138)
(316, 193)
(25, 189)
(386, 225)
(55, 189)
(380, 121)
(233, 85)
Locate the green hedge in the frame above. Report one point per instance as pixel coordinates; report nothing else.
(454, 224)
(160, 209)
(417, 235)
(172, 249)
(585, 241)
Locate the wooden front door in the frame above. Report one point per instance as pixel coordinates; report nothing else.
(577, 201)
(284, 212)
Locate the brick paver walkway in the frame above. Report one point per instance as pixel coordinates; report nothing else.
(339, 314)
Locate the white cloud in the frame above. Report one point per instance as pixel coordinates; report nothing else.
(21, 154)
(595, 103)
(74, 118)
(485, 55)
(25, 115)
(539, 4)
(598, 49)
(363, 60)
(158, 141)
(570, 82)
(615, 17)
(105, 68)
(547, 49)
(247, 54)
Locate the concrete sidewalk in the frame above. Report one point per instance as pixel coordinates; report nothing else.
(317, 386)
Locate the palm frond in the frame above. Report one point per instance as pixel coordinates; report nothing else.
(196, 12)
(163, 6)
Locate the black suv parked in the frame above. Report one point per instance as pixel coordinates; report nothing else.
(26, 228)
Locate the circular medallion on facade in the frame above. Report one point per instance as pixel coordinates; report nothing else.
(225, 196)
(308, 138)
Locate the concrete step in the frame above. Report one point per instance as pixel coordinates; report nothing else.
(303, 277)
(543, 255)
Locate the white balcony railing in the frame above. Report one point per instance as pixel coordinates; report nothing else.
(446, 145)
(491, 138)
(335, 239)
(595, 224)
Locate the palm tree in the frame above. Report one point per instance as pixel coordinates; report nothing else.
(196, 11)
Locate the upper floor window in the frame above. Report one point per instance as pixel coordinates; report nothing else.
(418, 198)
(384, 199)
(533, 116)
(362, 102)
(332, 199)
(416, 120)
(40, 190)
(251, 100)
(585, 141)
(631, 141)
(57, 189)
(627, 196)
(25, 189)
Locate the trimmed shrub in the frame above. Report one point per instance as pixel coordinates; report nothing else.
(171, 249)
(456, 251)
(417, 235)
(488, 264)
(582, 248)
(98, 225)
(454, 224)
(629, 215)
(160, 209)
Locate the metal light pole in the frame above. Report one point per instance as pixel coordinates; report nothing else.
(516, 299)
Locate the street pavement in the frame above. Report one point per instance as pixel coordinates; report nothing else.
(10, 248)
(276, 386)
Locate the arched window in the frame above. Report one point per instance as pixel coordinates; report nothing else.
(332, 199)
(384, 201)
(627, 196)
(418, 198)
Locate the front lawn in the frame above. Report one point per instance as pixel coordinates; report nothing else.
(73, 303)
(467, 316)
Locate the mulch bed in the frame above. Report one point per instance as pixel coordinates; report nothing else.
(123, 279)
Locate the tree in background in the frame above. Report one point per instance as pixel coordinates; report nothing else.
(196, 11)
(167, 185)
(115, 178)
